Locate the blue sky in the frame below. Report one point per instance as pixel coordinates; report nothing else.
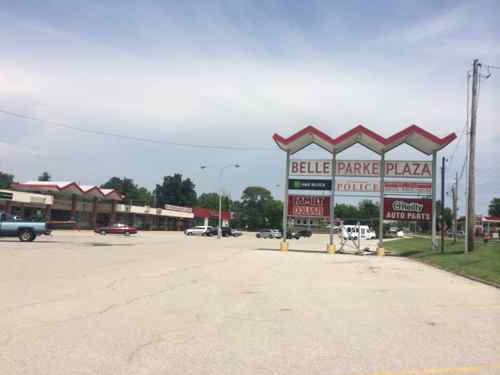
(235, 72)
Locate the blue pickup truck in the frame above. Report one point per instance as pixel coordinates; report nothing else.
(11, 226)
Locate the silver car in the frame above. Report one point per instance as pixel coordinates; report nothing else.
(268, 233)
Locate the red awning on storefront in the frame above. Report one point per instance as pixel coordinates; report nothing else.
(491, 219)
(210, 213)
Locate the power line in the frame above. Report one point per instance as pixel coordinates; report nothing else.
(465, 129)
(132, 138)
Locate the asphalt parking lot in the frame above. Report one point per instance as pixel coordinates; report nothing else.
(163, 303)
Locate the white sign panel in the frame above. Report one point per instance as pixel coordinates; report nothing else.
(390, 187)
(354, 186)
(407, 187)
(361, 168)
(171, 207)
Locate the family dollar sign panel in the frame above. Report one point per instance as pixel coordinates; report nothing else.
(408, 209)
(308, 206)
(361, 168)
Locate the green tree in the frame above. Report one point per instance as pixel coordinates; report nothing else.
(45, 176)
(346, 211)
(274, 213)
(494, 207)
(258, 209)
(211, 200)
(177, 191)
(133, 194)
(447, 215)
(6, 180)
(368, 210)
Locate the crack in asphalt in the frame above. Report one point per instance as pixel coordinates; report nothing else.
(125, 303)
(62, 298)
(132, 356)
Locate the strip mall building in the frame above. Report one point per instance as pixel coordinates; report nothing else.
(69, 204)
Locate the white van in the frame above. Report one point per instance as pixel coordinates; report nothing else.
(350, 232)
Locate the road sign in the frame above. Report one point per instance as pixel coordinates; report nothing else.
(308, 206)
(299, 184)
(407, 209)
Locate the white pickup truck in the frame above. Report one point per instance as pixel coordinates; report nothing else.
(26, 231)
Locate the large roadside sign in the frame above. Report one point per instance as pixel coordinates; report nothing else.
(361, 168)
(407, 209)
(308, 206)
(300, 184)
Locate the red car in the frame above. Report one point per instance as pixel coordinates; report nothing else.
(117, 229)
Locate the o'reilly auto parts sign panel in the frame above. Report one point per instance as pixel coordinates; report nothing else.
(407, 209)
(308, 206)
(361, 168)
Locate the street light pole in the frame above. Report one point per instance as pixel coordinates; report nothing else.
(221, 171)
(219, 229)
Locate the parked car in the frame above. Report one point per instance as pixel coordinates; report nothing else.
(199, 231)
(11, 226)
(236, 232)
(460, 233)
(292, 234)
(276, 233)
(268, 233)
(117, 228)
(305, 233)
(225, 231)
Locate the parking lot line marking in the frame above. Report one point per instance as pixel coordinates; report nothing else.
(440, 371)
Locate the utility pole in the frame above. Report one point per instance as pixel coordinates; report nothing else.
(284, 244)
(434, 205)
(443, 161)
(454, 194)
(471, 212)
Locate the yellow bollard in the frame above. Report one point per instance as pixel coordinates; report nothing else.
(380, 251)
(331, 248)
(284, 246)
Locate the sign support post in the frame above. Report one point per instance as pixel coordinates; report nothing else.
(331, 247)
(284, 244)
(380, 248)
(434, 167)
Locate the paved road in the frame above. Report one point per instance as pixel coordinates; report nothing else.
(162, 303)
